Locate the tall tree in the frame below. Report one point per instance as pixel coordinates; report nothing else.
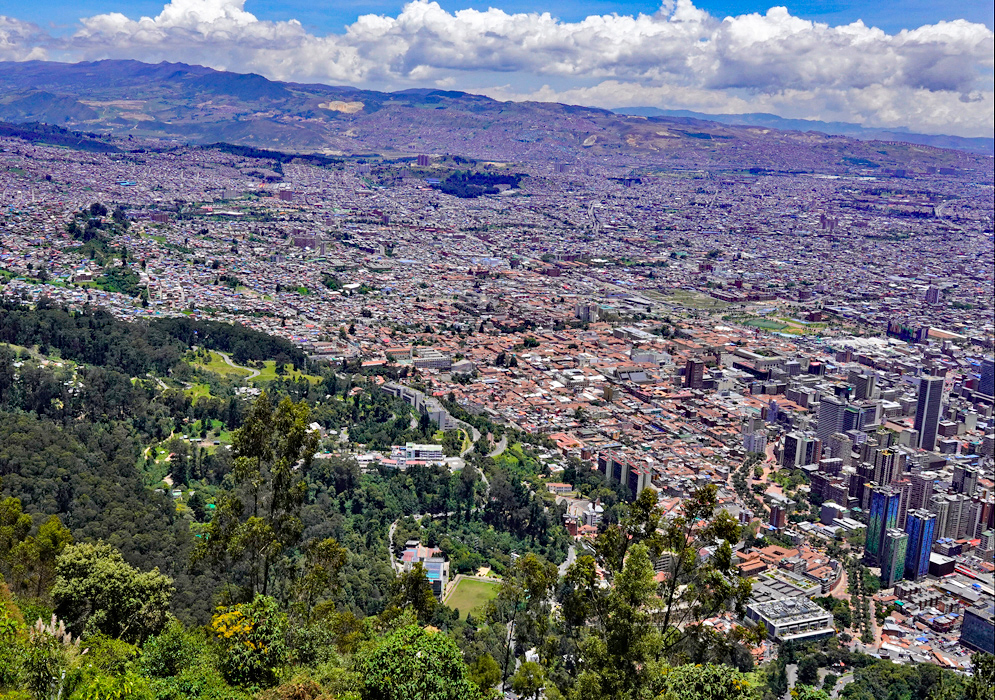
(258, 519)
(96, 590)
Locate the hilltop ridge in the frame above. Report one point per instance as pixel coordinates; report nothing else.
(199, 105)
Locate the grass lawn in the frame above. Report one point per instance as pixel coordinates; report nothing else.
(199, 391)
(766, 324)
(471, 596)
(218, 365)
(268, 373)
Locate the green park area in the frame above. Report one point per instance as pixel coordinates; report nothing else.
(212, 361)
(471, 595)
(268, 373)
(780, 324)
(765, 323)
(216, 363)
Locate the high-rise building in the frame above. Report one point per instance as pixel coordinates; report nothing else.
(938, 505)
(974, 518)
(987, 384)
(863, 384)
(755, 442)
(423, 161)
(886, 466)
(694, 373)
(778, 516)
(928, 410)
(904, 488)
(957, 516)
(932, 295)
(800, 449)
(860, 484)
(851, 419)
(841, 447)
(922, 489)
(978, 629)
(830, 417)
(920, 525)
(893, 553)
(965, 479)
(588, 313)
(884, 506)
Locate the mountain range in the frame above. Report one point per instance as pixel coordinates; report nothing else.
(856, 131)
(182, 103)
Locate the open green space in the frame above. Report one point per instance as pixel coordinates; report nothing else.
(199, 391)
(268, 373)
(765, 323)
(215, 363)
(470, 596)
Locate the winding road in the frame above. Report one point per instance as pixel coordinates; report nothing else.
(253, 372)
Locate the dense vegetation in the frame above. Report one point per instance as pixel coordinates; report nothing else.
(278, 156)
(469, 184)
(52, 135)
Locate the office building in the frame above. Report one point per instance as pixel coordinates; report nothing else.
(978, 629)
(795, 619)
(886, 466)
(987, 384)
(920, 525)
(884, 507)
(800, 449)
(938, 505)
(975, 517)
(965, 479)
(863, 384)
(922, 489)
(893, 553)
(755, 442)
(904, 488)
(694, 373)
(778, 516)
(588, 313)
(928, 410)
(830, 417)
(841, 447)
(958, 516)
(414, 452)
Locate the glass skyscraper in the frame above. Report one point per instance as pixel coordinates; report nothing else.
(884, 506)
(921, 527)
(893, 553)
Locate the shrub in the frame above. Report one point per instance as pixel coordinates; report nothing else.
(413, 663)
(252, 639)
(170, 652)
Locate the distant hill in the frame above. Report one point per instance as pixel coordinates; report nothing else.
(855, 131)
(182, 103)
(57, 136)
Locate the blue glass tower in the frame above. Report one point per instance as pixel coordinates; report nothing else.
(884, 504)
(921, 527)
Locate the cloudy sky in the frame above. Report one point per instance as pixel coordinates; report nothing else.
(925, 65)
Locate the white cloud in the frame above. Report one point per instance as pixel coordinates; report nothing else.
(937, 77)
(19, 41)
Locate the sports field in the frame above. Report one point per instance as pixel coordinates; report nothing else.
(471, 596)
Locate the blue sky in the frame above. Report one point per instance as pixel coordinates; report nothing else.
(322, 16)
